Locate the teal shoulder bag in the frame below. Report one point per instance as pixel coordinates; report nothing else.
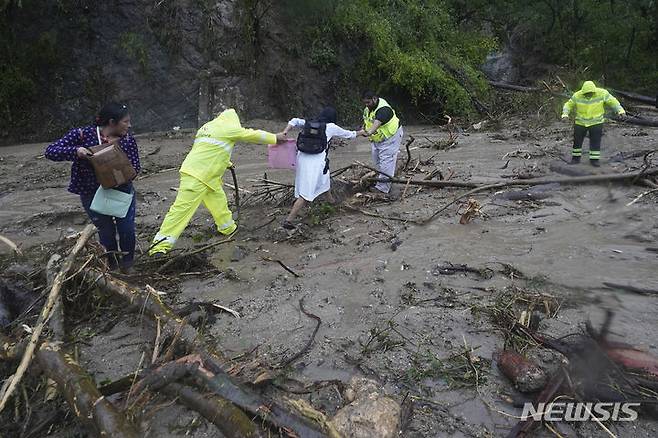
(112, 202)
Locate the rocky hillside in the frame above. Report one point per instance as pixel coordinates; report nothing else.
(173, 62)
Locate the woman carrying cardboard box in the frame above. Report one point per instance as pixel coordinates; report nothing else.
(112, 125)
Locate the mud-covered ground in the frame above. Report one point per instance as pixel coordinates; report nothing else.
(388, 307)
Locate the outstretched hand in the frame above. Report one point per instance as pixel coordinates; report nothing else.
(281, 137)
(362, 133)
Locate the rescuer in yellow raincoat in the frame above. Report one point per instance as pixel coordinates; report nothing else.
(201, 177)
(589, 104)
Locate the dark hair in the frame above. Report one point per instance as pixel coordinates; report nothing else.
(368, 95)
(111, 111)
(328, 115)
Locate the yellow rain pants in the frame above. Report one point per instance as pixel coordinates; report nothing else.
(201, 177)
(191, 194)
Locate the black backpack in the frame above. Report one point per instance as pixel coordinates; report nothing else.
(313, 138)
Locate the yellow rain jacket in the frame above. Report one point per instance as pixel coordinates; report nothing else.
(591, 111)
(385, 131)
(214, 142)
(201, 178)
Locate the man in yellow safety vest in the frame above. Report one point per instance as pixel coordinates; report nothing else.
(589, 104)
(201, 177)
(382, 126)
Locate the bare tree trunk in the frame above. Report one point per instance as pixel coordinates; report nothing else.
(218, 380)
(98, 414)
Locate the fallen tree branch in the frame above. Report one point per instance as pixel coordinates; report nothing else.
(633, 289)
(45, 315)
(283, 265)
(425, 183)
(98, 414)
(11, 245)
(406, 145)
(541, 181)
(303, 351)
(637, 120)
(56, 322)
(143, 301)
(513, 87)
(232, 422)
(377, 171)
(237, 191)
(221, 383)
(642, 195)
(636, 97)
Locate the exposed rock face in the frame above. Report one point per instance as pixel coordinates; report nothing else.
(369, 414)
(501, 66)
(175, 63)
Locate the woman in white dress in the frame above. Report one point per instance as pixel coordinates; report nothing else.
(312, 176)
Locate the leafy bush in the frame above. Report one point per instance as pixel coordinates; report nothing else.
(612, 42)
(412, 49)
(135, 47)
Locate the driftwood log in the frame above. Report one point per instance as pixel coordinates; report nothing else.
(215, 409)
(217, 379)
(636, 97)
(271, 412)
(149, 302)
(229, 419)
(98, 414)
(523, 182)
(477, 188)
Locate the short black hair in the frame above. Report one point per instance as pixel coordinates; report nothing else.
(368, 94)
(111, 111)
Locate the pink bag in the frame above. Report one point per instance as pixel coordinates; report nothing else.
(283, 156)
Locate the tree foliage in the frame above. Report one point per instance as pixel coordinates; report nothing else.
(612, 41)
(409, 48)
(430, 51)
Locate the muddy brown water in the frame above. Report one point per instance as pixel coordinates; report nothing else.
(568, 244)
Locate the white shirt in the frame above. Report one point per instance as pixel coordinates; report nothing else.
(332, 130)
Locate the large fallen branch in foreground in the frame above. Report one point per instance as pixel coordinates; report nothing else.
(220, 382)
(46, 311)
(98, 414)
(148, 302)
(215, 409)
(229, 419)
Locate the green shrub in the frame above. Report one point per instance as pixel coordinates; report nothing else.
(133, 44)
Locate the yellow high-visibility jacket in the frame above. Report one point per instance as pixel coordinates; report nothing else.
(591, 111)
(386, 130)
(211, 153)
